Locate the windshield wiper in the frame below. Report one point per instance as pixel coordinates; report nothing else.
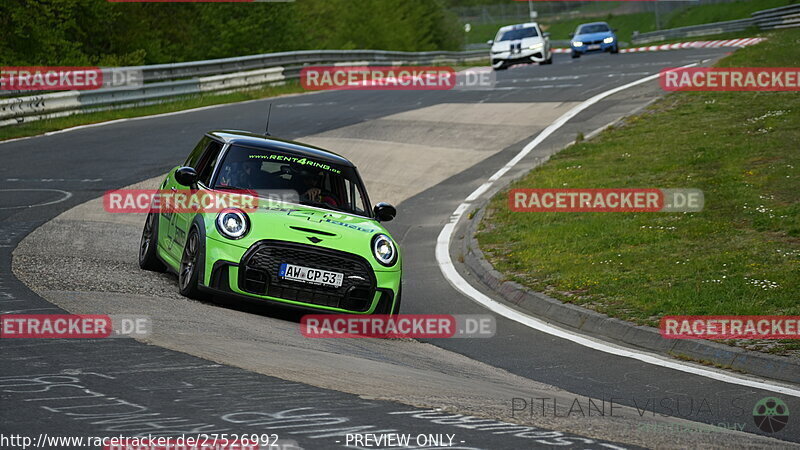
(237, 188)
(321, 205)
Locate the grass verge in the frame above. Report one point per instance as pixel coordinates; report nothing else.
(720, 12)
(645, 22)
(741, 255)
(625, 24)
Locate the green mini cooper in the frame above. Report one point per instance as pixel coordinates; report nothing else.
(311, 240)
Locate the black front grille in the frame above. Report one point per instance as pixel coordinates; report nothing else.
(258, 274)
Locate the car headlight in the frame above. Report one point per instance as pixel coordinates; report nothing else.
(608, 40)
(536, 46)
(577, 44)
(384, 250)
(233, 223)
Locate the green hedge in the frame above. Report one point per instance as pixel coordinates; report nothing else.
(96, 32)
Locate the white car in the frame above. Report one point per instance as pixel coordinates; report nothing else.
(520, 44)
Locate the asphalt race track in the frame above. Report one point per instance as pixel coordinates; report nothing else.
(226, 367)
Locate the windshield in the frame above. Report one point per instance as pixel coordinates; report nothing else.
(293, 179)
(593, 28)
(520, 33)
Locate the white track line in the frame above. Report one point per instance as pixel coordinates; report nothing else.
(457, 281)
(64, 197)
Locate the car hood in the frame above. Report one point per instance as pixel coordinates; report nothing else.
(592, 36)
(308, 225)
(504, 46)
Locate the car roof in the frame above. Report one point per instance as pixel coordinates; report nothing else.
(518, 26)
(594, 23)
(260, 141)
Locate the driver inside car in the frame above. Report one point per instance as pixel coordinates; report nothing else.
(242, 175)
(311, 189)
(249, 174)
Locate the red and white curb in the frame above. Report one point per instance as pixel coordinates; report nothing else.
(680, 45)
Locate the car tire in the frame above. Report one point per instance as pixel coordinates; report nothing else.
(549, 60)
(148, 245)
(575, 55)
(188, 272)
(502, 66)
(615, 50)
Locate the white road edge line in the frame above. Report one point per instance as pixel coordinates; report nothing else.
(65, 196)
(459, 283)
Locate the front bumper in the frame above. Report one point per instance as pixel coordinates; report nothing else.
(603, 47)
(522, 57)
(252, 273)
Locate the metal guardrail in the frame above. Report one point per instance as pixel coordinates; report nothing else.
(782, 17)
(165, 82)
(163, 72)
(693, 31)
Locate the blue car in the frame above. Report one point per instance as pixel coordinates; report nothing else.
(593, 37)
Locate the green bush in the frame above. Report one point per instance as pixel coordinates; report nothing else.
(96, 32)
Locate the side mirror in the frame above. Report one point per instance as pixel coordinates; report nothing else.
(384, 212)
(186, 176)
(614, 30)
(571, 35)
(490, 42)
(546, 34)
